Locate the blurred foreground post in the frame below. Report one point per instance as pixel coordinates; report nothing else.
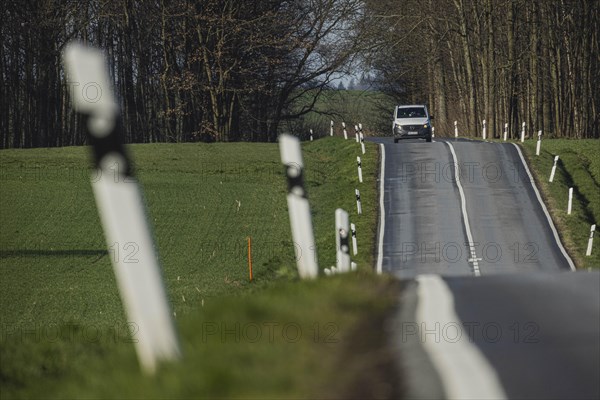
(298, 207)
(122, 212)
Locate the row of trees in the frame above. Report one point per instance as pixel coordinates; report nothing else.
(227, 70)
(183, 70)
(505, 61)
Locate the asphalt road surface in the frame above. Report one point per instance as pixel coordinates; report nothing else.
(490, 306)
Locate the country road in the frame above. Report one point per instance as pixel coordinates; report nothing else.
(490, 306)
(425, 228)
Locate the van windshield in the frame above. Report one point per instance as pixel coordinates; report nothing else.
(411, 112)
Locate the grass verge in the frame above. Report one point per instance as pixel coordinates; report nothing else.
(578, 167)
(63, 329)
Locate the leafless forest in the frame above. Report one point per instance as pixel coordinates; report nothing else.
(224, 70)
(505, 61)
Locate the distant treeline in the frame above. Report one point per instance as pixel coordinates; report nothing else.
(228, 70)
(183, 70)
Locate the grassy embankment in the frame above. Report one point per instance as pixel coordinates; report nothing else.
(578, 167)
(63, 329)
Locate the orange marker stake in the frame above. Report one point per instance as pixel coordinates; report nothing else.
(250, 257)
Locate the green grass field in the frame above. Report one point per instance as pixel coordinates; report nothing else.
(578, 167)
(63, 332)
(63, 329)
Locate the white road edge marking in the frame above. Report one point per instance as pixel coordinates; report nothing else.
(464, 371)
(539, 197)
(474, 259)
(381, 210)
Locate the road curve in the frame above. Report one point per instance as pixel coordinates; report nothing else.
(489, 306)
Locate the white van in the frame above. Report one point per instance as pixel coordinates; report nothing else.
(412, 122)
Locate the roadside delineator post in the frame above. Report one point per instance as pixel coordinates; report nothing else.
(484, 134)
(588, 251)
(311, 135)
(356, 133)
(362, 142)
(523, 132)
(553, 171)
(299, 207)
(538, 145)
(432, 131)
(122, 212)
(455, 129)
(345, 131)
(354, 242)
(342, 245)
(358, 202)
(359, 164)
(331, 128)
(570, 203)
(505, 131)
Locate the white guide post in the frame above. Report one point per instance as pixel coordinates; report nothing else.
(433, 131)
(505, 131)
(570, 203)
(359, 164)
(331, 128)
(455, 129)
(484, 134)
(299, 207)
(354, 242)
(358, 202)
(362, 142)
(361, 137)
(342, 245)
(122, 212)
(538, 145)
(356, 133)
(311, 135)
(523, 132)
(553, 169)
(588, 251)
(345, 131)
